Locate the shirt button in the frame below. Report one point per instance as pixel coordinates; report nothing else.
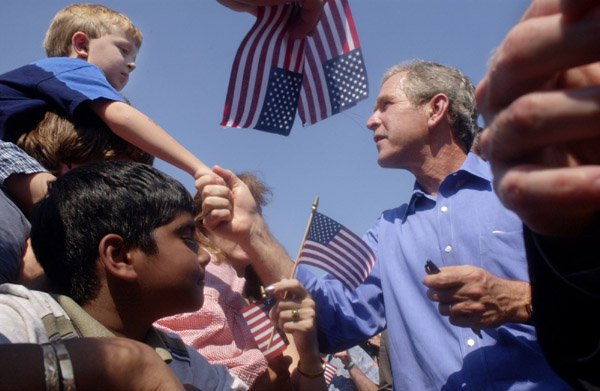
(470, 342)
(448, 249)
(444, 209)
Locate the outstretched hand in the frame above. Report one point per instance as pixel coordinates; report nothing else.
(541, 104)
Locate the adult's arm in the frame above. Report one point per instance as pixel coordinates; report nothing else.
(98, 364)
(230, 211)
(361, 381)
(345, 318)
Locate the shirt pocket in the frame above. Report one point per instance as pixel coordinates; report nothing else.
(503, 254)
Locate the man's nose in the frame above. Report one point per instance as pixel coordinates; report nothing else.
(373, 122)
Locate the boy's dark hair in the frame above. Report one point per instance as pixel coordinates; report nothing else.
(125, 198)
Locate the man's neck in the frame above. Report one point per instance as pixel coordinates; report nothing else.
(436, 167)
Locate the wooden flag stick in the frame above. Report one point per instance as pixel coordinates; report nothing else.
(313, 209)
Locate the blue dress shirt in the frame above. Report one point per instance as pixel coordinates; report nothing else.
(464, 223)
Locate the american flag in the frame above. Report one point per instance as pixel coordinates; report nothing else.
(337, 250)
(257, 318)
(273, 75)
(330, 371)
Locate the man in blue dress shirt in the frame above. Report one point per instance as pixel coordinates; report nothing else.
(465, 328)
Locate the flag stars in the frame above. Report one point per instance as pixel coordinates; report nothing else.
(345, 79)
(279, 108)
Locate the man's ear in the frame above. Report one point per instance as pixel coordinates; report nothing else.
(80, 44)
(115, 258)
(437, 109)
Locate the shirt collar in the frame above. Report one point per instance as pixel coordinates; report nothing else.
(472, 166)
(87, 326)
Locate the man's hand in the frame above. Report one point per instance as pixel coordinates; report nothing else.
(229, 219)
(299, 27)
(473, 297)
(541, 105)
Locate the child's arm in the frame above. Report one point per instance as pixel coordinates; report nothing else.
(25, 180)
(135, 127)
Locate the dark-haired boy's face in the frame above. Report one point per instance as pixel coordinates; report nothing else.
(173, 278)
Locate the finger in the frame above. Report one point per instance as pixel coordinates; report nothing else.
(216, 218)
(449, 277)
(542, 119)
(309, 18)
(527, 60)
(289, 288)
(205, 180)
(539, 8)
(302, 321)
(531, 190)
(445, 295)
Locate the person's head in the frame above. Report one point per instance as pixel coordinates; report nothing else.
(125, 222)
(427, 93)
(224, 249)
(97, 34)
(60, 145)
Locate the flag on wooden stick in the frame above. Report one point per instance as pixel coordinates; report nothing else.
(332, 247)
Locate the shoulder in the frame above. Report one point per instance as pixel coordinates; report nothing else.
(22, 311)
(191, 367)
(62, 64)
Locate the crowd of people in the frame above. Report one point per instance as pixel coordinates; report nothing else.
(112, 276)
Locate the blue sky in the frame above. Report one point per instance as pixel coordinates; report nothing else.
(182, 76)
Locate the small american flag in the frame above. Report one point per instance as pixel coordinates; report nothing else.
(330, 372)
(273, 76)
(337, 250)
(257, 318)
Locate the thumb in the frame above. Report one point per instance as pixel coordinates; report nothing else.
(231, 180)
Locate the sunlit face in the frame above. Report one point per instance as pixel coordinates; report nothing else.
(400, 129)
(173, 278)
(115, 54)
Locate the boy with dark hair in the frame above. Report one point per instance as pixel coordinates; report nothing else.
(117, 242)
(92, 51)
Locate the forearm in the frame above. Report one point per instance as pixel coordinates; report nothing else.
(269, 259)
(309, 375)
(135, 127)
(98, 364)
(361, 381)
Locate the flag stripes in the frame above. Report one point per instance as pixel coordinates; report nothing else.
(256, 316)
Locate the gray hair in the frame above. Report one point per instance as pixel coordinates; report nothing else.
(425, 79)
